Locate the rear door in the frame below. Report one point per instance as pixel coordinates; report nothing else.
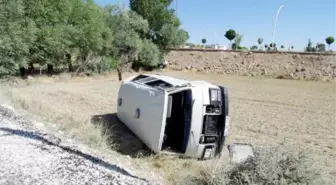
(144, 113)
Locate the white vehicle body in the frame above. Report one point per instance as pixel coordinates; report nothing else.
(175, 116)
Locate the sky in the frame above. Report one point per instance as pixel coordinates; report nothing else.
(298, 20)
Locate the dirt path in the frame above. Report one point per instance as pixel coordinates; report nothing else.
(31, 157)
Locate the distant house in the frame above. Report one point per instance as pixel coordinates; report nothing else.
(216, 46)
(222, 47)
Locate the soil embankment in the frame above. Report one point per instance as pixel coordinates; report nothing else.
(279, 65)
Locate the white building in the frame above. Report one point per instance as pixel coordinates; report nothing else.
(216, 46)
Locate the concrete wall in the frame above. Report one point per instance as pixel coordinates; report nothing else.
(279, 65)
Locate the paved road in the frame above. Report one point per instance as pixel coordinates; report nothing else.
(31, 157)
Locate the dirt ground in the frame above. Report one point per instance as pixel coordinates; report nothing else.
(278, 65)
(299, 115)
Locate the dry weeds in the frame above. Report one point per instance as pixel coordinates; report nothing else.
(265, 112)
(270, 166)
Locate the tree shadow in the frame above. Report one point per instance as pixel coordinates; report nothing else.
(127, 143)
(93, 159)
(37, 71)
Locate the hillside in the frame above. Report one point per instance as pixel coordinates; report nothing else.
(279, 65)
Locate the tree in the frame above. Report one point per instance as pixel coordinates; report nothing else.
(282, 47)
(90, 35)
(320, 47)
(260, 41)
(82, 33)
(17, 34)
(164, 26)
(149, 54)
(309, 47)
(204, 41)
(272, 45)
(127, 27)
(266, 46)
(230, 35)
(292, 47)
(191, 45)
(329, 41)
(254, 47)
(237, 40)
(67, 31)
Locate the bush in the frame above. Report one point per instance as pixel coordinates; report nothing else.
(7, 67)
(269, 167)
(254, 47)
(99, 65)
(149, 56)
(242, 48)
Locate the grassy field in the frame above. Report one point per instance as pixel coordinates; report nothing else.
(296, 115)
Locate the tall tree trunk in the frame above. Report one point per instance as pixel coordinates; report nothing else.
(119, 73)
(68, 57)
(70, 66)
(31, 68)
(50, 69)
(22, 72)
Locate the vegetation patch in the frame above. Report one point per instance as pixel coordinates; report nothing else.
(270, 166)
(82, 37)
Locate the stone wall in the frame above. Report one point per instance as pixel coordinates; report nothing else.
(279, 65)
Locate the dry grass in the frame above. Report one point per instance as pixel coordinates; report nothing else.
(270, 166)
(264, 112)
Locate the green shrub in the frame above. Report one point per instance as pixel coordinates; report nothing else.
(7, 67)
(149, 56)
(99, 65)
(242, 48)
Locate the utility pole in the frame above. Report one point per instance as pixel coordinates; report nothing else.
(176, 9)
(275, 22)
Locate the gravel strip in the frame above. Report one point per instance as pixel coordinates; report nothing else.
(30, 157)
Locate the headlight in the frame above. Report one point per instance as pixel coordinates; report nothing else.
(215, 95)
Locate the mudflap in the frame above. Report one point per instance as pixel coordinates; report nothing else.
(223, 120)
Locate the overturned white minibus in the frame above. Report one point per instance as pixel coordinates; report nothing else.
(175, 116)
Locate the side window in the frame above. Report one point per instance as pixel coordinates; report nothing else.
(140, 77)
(159, 83)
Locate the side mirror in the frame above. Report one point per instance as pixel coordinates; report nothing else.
(169, 106)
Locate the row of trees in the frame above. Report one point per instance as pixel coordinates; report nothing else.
(319, 47)
(232, 35)
(270, 47)
(80, 33)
